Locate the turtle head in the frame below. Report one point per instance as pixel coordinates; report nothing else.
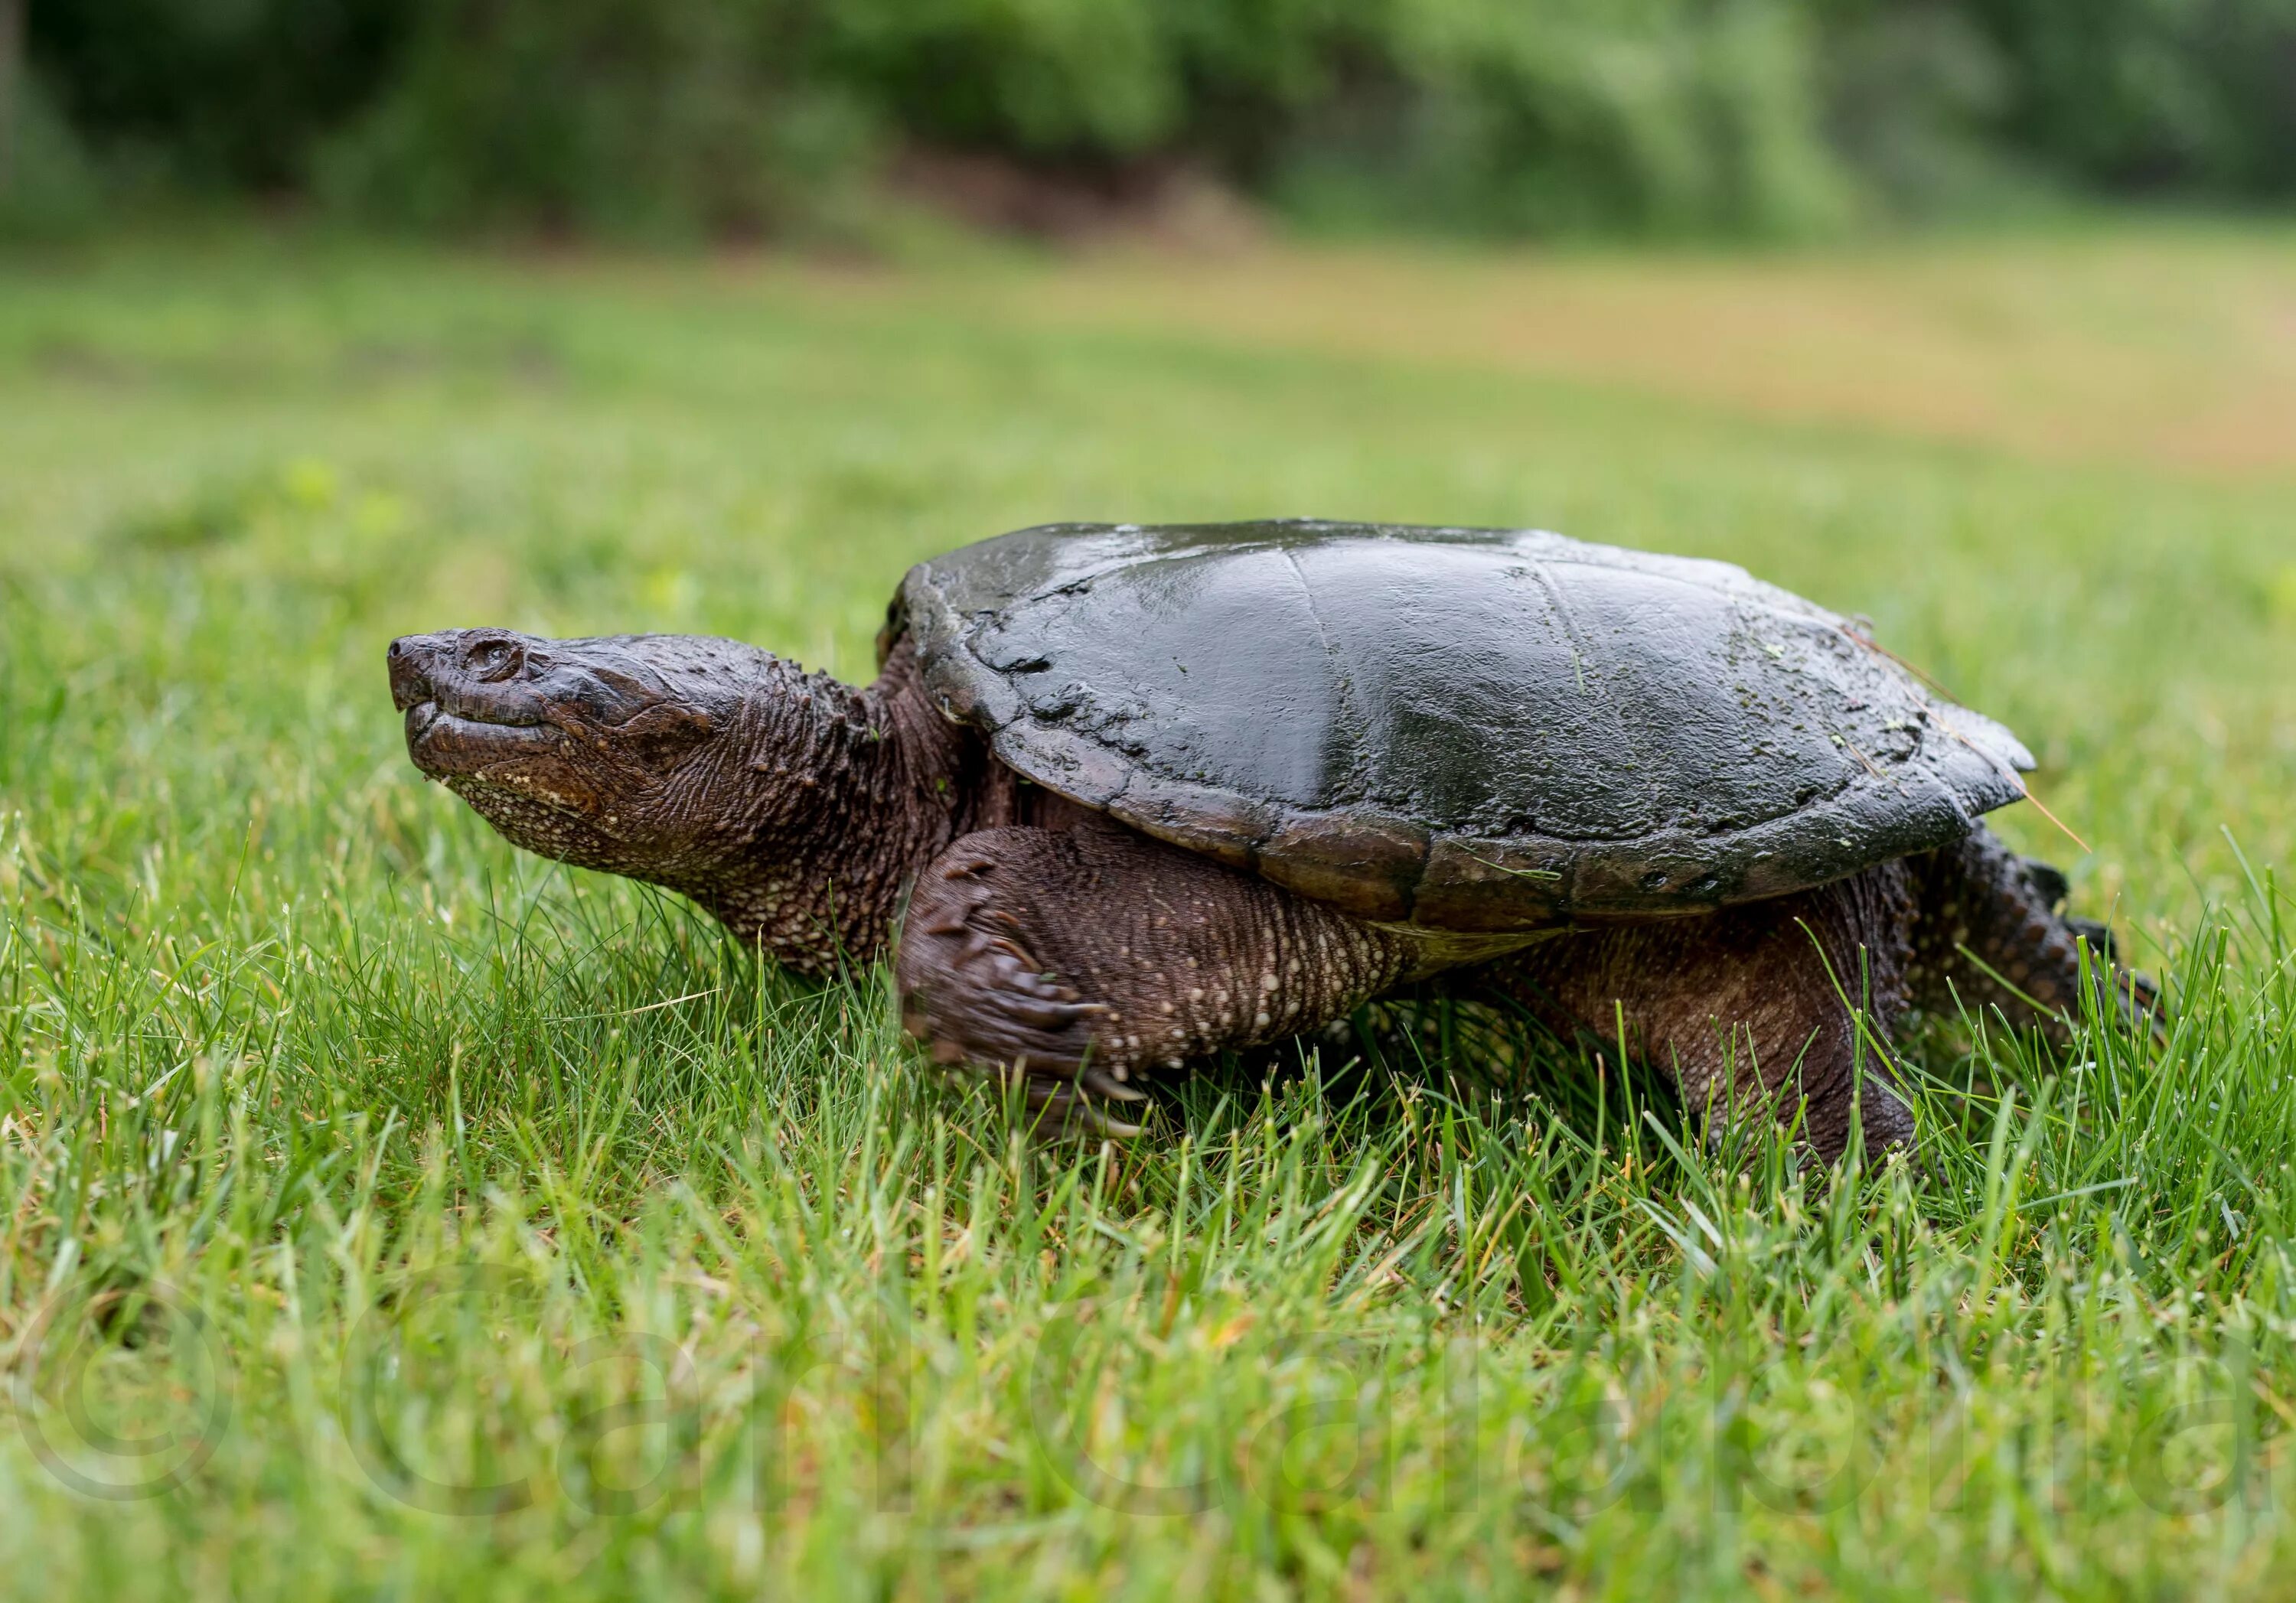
(622, 753)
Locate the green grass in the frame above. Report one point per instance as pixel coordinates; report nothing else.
(384, 1213)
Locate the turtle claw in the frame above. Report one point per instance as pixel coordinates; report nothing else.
(1102, 1083)
(1063, 1112)
(983, 1003)
(990, 985)
(1056, 1108)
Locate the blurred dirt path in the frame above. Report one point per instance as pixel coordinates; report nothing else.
(2173, 347)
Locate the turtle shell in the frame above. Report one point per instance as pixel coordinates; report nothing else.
(1471, 730)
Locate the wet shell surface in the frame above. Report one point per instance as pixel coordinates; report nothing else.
(1471, 730)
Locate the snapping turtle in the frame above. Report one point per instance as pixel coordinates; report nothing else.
(1149, 793)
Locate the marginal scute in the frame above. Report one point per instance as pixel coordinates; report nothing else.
(1078, 767)
(1218, 823)
(1471, 730)
(1489, 885)
(1362, 864)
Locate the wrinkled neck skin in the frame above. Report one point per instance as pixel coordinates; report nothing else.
(795, 808)
(831, 800)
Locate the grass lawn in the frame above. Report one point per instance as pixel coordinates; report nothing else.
(385, 1214)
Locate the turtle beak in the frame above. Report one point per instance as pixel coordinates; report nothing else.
(410, 659)
(476, 674)
(466, 712)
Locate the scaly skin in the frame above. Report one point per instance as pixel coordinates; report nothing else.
(792, 806)
(1741, 1005)
(1045, 939)
(1145, 956)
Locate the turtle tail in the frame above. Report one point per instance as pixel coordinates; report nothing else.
(1992, 933)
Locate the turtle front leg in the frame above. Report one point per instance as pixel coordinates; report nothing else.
(1081, 957)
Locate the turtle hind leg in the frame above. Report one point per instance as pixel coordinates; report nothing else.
(1751, 1007)
(1988, 933)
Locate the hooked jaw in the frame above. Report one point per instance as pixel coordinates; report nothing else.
(597, 751)
(470, 700)
(475, 698)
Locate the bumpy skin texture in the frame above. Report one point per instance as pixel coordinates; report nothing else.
(1989, 934)
(1091, 953)
(792, 806)
(1081, 956)
(1045, 937)
(1758, 1007)
(1742, 1006)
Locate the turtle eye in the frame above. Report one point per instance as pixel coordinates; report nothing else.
(492, 660)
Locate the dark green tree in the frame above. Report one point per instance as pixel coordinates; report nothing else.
(11, 72)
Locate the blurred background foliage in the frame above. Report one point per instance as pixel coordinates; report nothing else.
(1511, 118)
